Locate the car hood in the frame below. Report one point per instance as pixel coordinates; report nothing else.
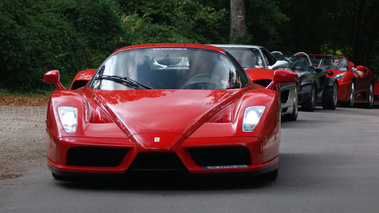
(163, 111)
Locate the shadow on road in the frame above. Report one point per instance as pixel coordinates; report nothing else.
(157, 181)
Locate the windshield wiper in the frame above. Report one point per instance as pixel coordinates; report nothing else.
(124, 81)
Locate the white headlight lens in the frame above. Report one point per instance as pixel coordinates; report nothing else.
(69, 118)
(252, 117)
(340, 76)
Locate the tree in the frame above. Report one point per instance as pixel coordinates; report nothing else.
(237, 25)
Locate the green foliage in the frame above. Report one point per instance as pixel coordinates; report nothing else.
(173, 21)
(263, 21)
(72, 35)
(38, 36)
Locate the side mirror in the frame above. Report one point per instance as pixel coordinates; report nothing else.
(279, 64)
(53, 77)
(330, 73)
(283, 76)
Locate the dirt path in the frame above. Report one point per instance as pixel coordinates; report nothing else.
(22, 139)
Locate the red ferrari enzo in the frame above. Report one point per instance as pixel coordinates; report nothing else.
(376, 87)
(354, 86)
(165, 107)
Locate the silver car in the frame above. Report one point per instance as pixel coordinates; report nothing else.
(254, 56)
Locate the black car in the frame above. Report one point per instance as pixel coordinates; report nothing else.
(314, 85)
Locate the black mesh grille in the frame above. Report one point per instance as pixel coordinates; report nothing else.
(220, 156)
(157, 161)
(95, 156)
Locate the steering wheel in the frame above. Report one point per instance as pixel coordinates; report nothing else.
(203, 81)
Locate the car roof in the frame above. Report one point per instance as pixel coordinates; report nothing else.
(236, 45)
(173, 45)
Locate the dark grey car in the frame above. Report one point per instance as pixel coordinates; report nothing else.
(254, 56)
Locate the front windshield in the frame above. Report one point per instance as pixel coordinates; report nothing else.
(298, 63)
(168, 68)
(329, 62)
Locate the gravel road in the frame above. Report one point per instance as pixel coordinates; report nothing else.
(22, 140)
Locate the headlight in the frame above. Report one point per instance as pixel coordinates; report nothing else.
(340, 76)
(252, 117)
(69, 118)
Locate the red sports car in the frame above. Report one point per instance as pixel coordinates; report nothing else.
(153, 107)
(355, 84)
(376, 87)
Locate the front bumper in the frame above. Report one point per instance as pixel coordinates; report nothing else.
(78, 156)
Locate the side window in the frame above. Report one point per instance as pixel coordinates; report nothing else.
(259, 63)
(270, 60)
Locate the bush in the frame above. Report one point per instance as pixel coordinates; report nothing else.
(53, 34)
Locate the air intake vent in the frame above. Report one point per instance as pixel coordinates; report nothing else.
(221, 156)
(264, 83)
(157, 161)
(95, 156)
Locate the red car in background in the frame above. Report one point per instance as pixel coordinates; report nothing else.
(355, 84)
(165, 107)
(376, 87)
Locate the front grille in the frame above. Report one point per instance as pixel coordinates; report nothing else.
(157, 161)
(95, 156)
(220, 156)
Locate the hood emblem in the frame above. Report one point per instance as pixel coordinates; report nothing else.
(157, 139)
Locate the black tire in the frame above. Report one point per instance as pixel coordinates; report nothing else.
(329, 97)
(309, 102)
(350, 102)
(370, 103)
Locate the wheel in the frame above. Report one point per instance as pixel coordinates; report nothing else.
(350, 102)
(203, 81)
(329, 97)
(295, 110)
(370, 103)
(309, 103)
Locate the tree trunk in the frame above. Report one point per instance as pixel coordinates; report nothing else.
(238, 26)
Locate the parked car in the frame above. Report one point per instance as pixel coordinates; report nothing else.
(352, 88)
(160, 107)
(316, 86)
(259, 58)
(376, 87)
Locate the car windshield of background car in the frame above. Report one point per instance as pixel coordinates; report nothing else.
(327, 62)
(248, 58)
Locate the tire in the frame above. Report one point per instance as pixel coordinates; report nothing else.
(350, 102)
(295, 112)
(370, 103)
(309, 103)
(329, 97)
